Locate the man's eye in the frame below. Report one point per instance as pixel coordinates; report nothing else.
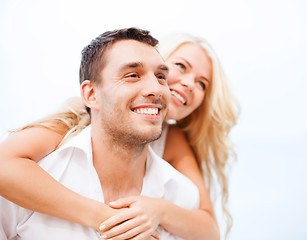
(132, 75)
(181, 65)
(202, 85)
(161, 78)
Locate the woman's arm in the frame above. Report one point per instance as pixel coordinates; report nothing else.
(187, 224)
(25, 183)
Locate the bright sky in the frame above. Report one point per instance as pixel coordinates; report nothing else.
(262, 45)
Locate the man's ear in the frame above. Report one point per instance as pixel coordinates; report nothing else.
(88, 94)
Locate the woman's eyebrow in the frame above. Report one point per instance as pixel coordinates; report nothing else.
(205, 79)
(187, 62)
(190, 65)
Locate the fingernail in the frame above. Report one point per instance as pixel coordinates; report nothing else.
(103, 237)
(101, 227)
(111, 203)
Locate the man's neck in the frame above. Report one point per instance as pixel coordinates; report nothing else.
(120, 167)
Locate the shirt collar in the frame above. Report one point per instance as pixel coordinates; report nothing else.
(82, 141)
(158, 171)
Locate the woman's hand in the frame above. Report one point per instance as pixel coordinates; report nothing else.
(139, 221)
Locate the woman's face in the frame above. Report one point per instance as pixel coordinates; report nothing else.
(189, 77)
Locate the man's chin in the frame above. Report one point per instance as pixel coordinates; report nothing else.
(152, 134)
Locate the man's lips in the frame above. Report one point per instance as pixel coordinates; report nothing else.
(151, 110)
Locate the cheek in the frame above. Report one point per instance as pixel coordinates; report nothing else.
(198, 99)
(172, 77)
(167, 94)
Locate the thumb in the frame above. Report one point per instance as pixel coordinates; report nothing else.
(123, 202)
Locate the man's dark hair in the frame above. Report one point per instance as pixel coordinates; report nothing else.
(92, 54)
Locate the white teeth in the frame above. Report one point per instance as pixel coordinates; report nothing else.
(178, 96)
(148, 111)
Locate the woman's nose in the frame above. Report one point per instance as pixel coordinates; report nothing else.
(188, 82)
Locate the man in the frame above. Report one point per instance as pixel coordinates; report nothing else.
(123, 85)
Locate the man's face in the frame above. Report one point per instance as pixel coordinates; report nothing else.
(133, 94)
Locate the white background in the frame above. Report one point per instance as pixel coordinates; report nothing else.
(262, 45)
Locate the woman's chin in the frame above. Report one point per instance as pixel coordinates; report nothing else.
(172, 117)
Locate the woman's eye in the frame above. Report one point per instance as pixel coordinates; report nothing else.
(180, 65)
(202, 85)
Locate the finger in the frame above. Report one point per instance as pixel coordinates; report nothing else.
(132, 234)
(123, 202)
(152, 238)
(156, 235)
(117, 219)
(128, 229)
(144, 235)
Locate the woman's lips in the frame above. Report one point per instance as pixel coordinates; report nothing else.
(179, 96)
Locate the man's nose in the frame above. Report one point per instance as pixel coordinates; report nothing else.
(153, 88)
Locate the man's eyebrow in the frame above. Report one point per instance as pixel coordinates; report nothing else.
(131, 65)
(163, 67)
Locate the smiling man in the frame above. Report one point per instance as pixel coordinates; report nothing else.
(134, 87)
(123, 85)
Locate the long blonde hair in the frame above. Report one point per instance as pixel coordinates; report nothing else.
(208, 127)
(70, 119)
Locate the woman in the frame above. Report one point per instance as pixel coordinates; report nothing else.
(203, 109)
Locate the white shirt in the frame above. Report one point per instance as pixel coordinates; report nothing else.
(159, 145)
(72, 165)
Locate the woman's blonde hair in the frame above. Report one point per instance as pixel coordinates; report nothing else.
(68, 121)
(208, 127)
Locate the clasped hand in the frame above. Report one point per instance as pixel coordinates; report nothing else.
(138, 221)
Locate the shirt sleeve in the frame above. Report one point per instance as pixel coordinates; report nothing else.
(183, 192)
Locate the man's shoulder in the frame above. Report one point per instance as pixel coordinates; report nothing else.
(81, 141)
(76, 151)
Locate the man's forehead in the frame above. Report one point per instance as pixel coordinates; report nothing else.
(131, 52)
(133, 47)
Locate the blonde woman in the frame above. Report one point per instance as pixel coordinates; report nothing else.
(204, 112)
